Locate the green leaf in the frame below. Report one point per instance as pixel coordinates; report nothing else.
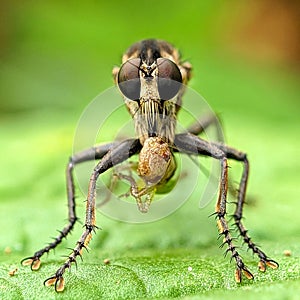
(57, 60)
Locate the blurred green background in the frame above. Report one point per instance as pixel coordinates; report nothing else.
(56, 56)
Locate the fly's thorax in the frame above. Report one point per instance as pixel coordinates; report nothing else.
(156, 162)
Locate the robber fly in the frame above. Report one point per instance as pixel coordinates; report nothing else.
(152, 81)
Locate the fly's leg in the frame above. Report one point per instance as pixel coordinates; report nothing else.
(223, 225)
(189, 143)
(86, 155)
(238, 214)
(113, 157)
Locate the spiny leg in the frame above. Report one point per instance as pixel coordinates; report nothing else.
(113, 157)
(189, 143)
(223, 226)
(238, 214)
(86, 155)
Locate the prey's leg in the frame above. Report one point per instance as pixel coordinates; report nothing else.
(137, 193)
(114, 156)
(86, 155)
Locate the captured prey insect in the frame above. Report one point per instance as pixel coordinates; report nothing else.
(152, 81)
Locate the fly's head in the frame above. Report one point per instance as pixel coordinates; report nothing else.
(151, 80)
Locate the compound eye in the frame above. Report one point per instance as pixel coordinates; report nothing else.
(169, 78)
(128, 79)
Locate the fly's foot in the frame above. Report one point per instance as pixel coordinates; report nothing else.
(262, 266)
(242, 269)
(57, 280)
(34, 262)
(264, 263)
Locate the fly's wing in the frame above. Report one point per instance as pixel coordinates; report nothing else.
(198, 118)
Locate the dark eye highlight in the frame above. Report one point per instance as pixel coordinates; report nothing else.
(128, 79)
(169, 78)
